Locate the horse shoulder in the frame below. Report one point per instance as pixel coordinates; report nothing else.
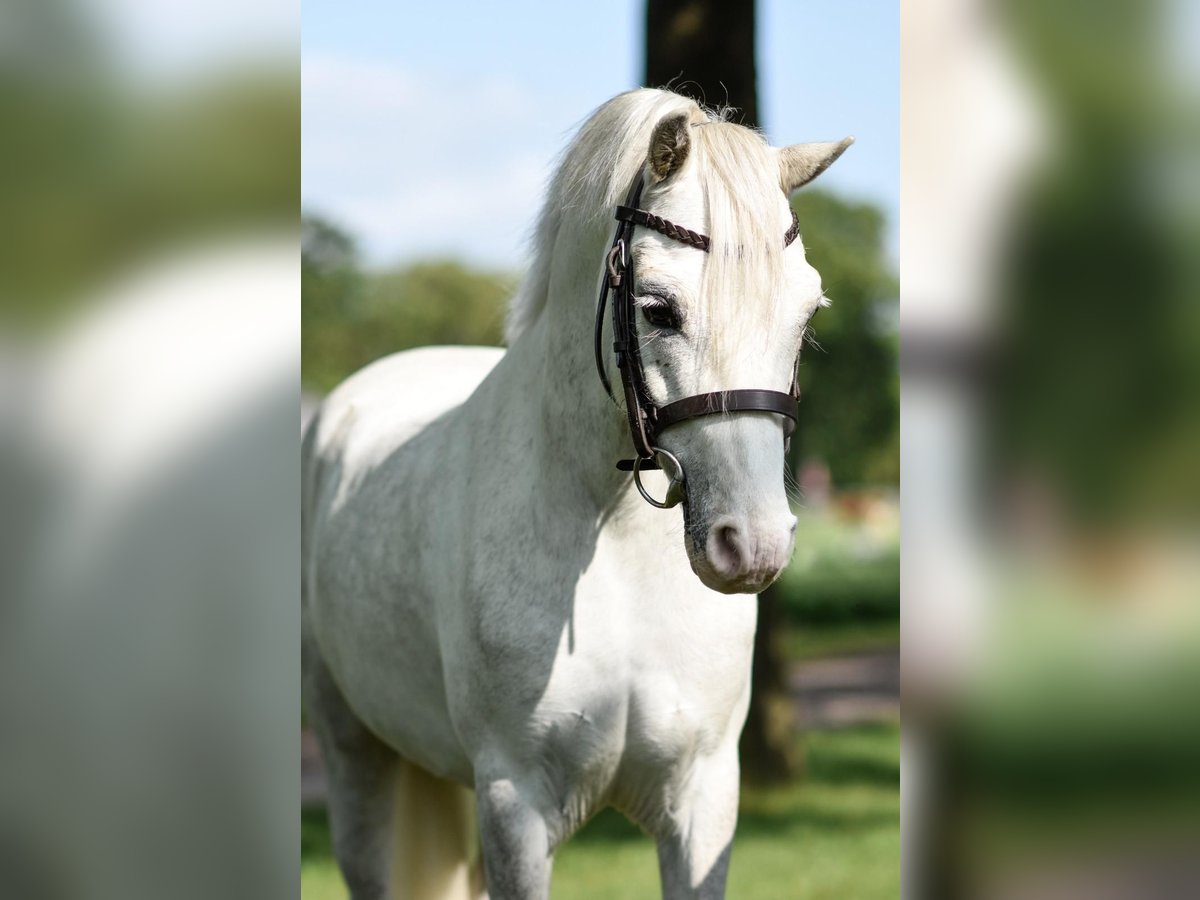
(373, 592)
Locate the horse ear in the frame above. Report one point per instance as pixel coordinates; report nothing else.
(801, 163)
(669, 145)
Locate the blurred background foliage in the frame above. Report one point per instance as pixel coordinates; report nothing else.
(95, 179)
(850, 411)
(1102, 318)
(351, 316)
(148, 348)
(1062, 763)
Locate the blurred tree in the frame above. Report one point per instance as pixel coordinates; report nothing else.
(704, 48)
(324, 247)
(331, 288)
(350, 318)
(848, 369)
(1101, 380)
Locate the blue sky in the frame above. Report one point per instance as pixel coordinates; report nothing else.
(431, 128)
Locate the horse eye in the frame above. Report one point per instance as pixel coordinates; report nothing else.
(660, 313)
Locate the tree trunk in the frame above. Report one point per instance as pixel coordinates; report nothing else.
(705, 49)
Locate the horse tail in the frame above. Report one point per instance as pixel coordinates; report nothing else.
(437, 853)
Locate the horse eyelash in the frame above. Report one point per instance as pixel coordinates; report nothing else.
(658, 302)
(646, 300)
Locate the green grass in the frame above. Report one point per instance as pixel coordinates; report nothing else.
(803, 642)
(836, 834)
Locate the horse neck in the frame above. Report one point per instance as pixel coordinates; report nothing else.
(579, 433)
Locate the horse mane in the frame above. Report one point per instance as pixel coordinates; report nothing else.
(738, 173)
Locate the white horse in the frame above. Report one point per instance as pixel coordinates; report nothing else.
(489, 604)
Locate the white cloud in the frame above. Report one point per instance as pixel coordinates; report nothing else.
(416, 166)
(367, 86)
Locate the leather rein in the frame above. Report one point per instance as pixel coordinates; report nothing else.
(646, 419)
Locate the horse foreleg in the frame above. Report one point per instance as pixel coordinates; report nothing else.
(516, 849)
(695, 840)
(361, 773)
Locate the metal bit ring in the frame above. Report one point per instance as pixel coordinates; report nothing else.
(674, 496)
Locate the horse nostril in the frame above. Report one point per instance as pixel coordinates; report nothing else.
(726, 548)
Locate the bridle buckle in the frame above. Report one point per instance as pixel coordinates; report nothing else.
(615, 272)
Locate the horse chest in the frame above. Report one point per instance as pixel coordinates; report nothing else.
(626, 721)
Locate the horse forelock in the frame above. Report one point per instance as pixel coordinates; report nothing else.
(744, 278)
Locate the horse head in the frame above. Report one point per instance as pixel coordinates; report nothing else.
(720, 321)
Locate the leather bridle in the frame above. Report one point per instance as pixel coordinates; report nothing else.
(646, 420)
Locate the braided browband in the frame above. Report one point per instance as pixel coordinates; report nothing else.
(662, 226)
(686, 235)
(792, 233)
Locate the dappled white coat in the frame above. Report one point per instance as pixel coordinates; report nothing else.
(491, 599)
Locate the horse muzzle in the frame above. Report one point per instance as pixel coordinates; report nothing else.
(740, 554)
